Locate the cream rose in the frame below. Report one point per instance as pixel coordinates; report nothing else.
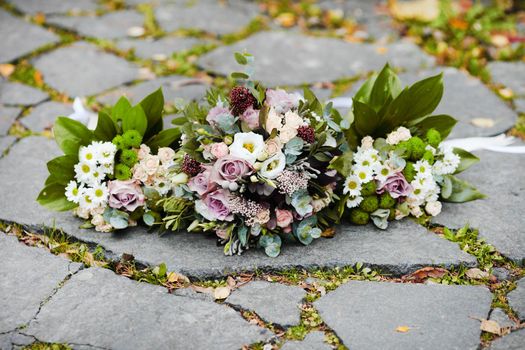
(139, 173)
(166, 155)
(273, 146)
(151, 164)
(143, 152)
(367, 142)
(273, 121)
(287, 133)
(433, 208)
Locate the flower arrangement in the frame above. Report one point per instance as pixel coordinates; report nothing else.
(258, 165)
(108, 176)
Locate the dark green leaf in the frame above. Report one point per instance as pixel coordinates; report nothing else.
(363, 94)
(467, 160)
(163, 139)
(120, 109)
(62, 168)
(343, 163)
(386, 87)
(153, 105)
(71, 134)
(240, 58)
(106, 129)
(135, 119)
(239, 75)
(53, 198)
(365, 119)
(462, 191)
(442, 123)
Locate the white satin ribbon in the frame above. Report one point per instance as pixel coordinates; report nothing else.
(83, 115)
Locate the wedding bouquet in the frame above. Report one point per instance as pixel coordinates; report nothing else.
(256, 166)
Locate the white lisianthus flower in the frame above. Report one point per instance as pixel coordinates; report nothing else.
(247, 146)
(98, 194)
(352, 186)
(274, 166)
(74, 192)
(433, 208)
(396, 136)
(353, 202)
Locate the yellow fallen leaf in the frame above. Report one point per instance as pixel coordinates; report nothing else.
(506, 93)
(484, 123)
(6, 69)
(286, 19)
(220, 293)
(421, 10)
(490, 326)
(402, 329)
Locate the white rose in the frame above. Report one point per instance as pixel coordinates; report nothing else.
(82, 213)
(318, 205)
(367, 142)
(433, 208)
(139, 173)
(287, 133)
(416, 211)
(292, 120)
(395, 137)
(272, 167)
(166, 155)
(143, 152)
(151, 164)
(104, 228)
(273, 146)
(98, 220)
(273, 121)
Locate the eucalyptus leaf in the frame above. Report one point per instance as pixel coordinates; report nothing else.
(462, 191)
(467, 160)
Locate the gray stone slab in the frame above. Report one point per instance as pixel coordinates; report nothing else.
(210, 16)
(14, 340)
(498, 218)
(172, 87)
(519, 105)
(403, 248)
(13, 93)
(43, 116)
(312, 341)
(465, 98)
(501, 317)
(113, 25)
(501, 273)
(365, 315)
(48, 7)
(512, 341)
(29, 276)
(5, 143)
(20, 38)
(509, 74)
(516, 299)
(273, 302)
(8, 116)
(287, 58)
(102, 309)
(81, 70)
(147, 48)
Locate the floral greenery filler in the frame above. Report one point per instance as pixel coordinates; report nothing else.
(258, 166)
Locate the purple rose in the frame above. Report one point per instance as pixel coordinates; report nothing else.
(251, 117)
(396, 185)
(281, 101)
(217, 205)
(228, 170)
(200, 183)
(215, 113)
(125, 194)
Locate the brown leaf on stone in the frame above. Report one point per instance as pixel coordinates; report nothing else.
(177, 277)
(6, 69)
(402, 329)
(200, 289)
(328, 233)
(476, 273)
(483, 123)
(221, 293)
(423, 274)
(230, 281)
(420, 10)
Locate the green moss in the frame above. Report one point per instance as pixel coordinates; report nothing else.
(409, 172)
(369, 188)
(359, 217)
(46, 346)
(369, 204)
(122, 172)
(386, 201)
(433, 137)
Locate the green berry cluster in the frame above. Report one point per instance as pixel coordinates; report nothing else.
(370, 203)
(128, 157)
(414, 149)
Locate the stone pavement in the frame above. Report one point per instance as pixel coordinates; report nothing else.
(85, 49)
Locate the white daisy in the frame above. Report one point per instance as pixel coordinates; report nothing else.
(423, 168)
(87, 154)
(86, 202)
(73, 192)
(382, 172)
(162, 185)
(352, 186)
(105, 152)
(98, 194)
(107, 168)
(364, 173)
(98, 175)
(353, 202)
(84, 172)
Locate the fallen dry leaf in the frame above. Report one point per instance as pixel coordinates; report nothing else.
(476, 273)
(328, 233)
(490, 326)
(199, 289)
(221, 293)
(482, 122)
(286, 19)
(230, 281)
(6, 69)
(421, 275)
(177, 277)
(506, 93)
(421, 10)
(402, 329)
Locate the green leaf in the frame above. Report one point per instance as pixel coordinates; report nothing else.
(386, 87)
(416, 101)
(135, 119)
(239, 75)
(52, 197)
(119, 219)
(442, 123)
(313, 102)
(467, 160)
(153, 105)
(240, 58)
(363, 94)
(365, 119)
(71, 134)
(62, 168)
(120, 109)
(343, 163)
(106, 129)
(148, 218)
(462, 191)
(163, 139)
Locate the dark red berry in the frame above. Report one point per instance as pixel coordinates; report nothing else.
(307, 133)
(190, 166)
(240, 99)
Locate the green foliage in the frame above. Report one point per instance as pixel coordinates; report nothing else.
(179, 212)
(132, 138)
(458, 191)
(106, 128)
(467, 160)
(359, 217)
(369, 188)
(52, 197)
(386, 201)
(122, 172)
(409, 172)
(71, 134)
(128, 157)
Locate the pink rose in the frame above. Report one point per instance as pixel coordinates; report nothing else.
(228, 170)
(396, 185)
(215, 113)
(200, 183)
(219, 150)
(251, 117)
(125, 194)
(284, 217)
(217, 205)
(281, 101)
